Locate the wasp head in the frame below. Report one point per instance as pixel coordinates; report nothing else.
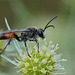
(41, 33)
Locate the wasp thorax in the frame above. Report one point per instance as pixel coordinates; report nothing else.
(41, 33)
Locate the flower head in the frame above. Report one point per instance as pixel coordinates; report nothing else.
(45, 62)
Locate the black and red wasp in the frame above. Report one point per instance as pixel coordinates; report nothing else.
(30, 34)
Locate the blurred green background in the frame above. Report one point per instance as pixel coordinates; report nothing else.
(27, 13)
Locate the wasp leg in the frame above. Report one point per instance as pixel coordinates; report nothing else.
(7, 44)
(16, 37)
(37, 44)
(26, 48)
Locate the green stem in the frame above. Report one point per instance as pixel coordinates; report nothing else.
(15, 41)
(6, 58)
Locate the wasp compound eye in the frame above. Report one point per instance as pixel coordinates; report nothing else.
(41, 33)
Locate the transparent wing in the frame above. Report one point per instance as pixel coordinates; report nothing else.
(14, 30)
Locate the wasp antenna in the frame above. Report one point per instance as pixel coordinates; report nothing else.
(51, 26)
(49, 22)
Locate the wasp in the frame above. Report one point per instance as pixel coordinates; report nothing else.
(30, 34)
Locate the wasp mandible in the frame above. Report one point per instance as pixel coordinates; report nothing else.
(30, 34)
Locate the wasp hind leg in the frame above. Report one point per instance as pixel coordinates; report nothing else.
(7, 44)
(26, 48)
(16, 37)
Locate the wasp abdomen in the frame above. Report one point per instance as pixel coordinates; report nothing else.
(6, 36)
(2, 37)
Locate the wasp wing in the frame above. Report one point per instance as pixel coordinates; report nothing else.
(15, 30)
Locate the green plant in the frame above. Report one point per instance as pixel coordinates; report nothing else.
(46, 62)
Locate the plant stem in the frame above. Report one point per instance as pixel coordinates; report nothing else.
(15, 41)
(6, 58)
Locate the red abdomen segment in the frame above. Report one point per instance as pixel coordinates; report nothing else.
(7, 36)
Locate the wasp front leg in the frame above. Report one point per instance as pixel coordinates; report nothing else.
(37, 44)
(34, 39)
